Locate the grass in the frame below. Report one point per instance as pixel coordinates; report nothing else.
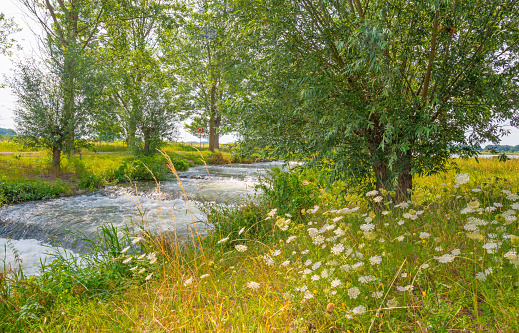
(444, 262)
(104, 163)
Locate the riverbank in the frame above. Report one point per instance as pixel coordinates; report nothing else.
(302, 259)
(27, 175)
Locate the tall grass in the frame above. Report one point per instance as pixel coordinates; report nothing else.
(445, 261)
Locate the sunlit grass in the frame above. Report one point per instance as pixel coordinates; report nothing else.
(444, 261)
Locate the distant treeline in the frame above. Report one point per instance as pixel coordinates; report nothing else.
(500, 149)
(7, 131)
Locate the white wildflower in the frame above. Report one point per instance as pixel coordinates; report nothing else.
(315, 277)
(268, 260)
(456, 252)
(481, 276)
(312, 232)
(392, 303)
(375, 260)
(318, 240)
(188, 282)
(367, 279)
(446, 258)
(359, 309)
(337, 248)
(354, 292)
(291, 238)
(405, 288)
(316, 265)
(338, 218)
(425, 235)
(462, 178)
(204, 276)
(372, 193)
(367, 227)
(377, 294)
(335, 283)
(253, 285)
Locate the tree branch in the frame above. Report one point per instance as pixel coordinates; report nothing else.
(428, 72)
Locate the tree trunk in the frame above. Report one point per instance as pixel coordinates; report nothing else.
(217, 123)
(212, 133)
(381, 175)
(56, 158)
(213, 120)
(405, 178)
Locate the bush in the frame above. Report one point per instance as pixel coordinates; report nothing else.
(137, 169)
(26, 190)
(218, 158)
(285, 190)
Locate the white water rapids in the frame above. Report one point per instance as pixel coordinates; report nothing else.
(31, 226)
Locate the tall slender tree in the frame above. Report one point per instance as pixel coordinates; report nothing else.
(140, 91)
(70, 28)
(201, 55)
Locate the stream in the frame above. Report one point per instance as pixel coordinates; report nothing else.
(32, 229)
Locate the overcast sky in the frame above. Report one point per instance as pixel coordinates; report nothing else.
(29, 43)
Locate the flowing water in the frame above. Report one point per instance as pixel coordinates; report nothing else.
(33, 226)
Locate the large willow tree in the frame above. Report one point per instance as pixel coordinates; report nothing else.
(380, 90)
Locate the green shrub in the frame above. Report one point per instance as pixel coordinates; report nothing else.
(181, 164)
(219, 158)
(137, 169)
(285, 190)
(26, 190)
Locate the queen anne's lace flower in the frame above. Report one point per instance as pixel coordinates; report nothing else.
(462, 178)
(375, 260)
(337, 248)
(354, 292)
(446, 258)
(359, 309)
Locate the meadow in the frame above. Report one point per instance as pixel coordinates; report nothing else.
(301, 258)
(26, 173)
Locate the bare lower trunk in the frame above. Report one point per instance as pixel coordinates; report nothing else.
(381, 175)
(56, 158)
(405, 178)
(212, 133)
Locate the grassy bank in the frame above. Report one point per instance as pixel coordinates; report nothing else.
(303, 260)
(27, 174)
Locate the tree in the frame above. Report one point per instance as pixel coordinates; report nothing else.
(70, 28)
(202, 55)
(7, 27)
(42, 116)
(381, 90)
(140, 92)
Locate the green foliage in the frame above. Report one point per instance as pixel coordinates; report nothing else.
(385, 90)
(228, 221)
(286, 192)
(69, 280)
(137, 169)
(218, 158)
(29, 189)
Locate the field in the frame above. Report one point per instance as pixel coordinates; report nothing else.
(302, 259)
(26, 174)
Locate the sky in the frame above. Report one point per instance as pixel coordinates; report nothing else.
(27, 40)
